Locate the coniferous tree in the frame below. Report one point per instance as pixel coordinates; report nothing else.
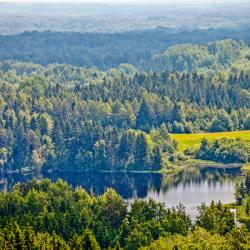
(141, 152)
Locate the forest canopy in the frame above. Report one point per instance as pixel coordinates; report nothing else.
(40, 214)
(128, 93)
(62, 117)
(138, 48)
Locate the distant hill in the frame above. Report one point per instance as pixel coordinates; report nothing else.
(138, 47)
(216, 56)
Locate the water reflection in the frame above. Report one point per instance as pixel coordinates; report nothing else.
(128, 185)
(189, 187)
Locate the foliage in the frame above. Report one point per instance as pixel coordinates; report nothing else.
(225, 150)
(215, 218)
(62, 117)
(42, 214)
(105, 51)
(217, 55)
(200, 239)
(242, 196)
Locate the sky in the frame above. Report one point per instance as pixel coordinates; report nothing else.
(131, 1)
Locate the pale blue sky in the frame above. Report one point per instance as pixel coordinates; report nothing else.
(132, 1)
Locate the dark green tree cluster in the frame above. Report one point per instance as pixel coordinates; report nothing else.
(46, 215)
(225, 150)
(14, 236)
(242, 190)
(215, 218)
(242, 196)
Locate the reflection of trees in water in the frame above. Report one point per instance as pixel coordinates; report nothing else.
(7, 181)
(194, 175)
(129, 185)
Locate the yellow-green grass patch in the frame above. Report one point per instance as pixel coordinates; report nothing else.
(246, 167)
(186, 141)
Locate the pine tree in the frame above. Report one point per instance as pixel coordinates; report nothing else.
(88, 241)
(247, 184)
(124, 148)
(178, 113)
(100, 154)
(156, 161)
(141, 152)
(247, 209)
(34, 123)
(145, 116)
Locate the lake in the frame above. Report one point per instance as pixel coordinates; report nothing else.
(190, 187)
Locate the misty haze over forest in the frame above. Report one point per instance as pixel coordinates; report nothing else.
(87, 17)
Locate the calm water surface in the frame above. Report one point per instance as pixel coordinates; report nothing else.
(189, 187)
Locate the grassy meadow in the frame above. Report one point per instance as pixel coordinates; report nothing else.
(193, 140)
(246, 168)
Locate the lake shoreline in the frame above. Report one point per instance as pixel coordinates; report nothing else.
(176, 168)
(190, 186)
(209, 164)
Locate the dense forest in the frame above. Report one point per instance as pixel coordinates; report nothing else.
(106, 96)
(41, 214)
(140, 48)
(63, 117)
(213, 56)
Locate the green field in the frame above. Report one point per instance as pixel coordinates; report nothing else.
(246, 168)
(193, 140)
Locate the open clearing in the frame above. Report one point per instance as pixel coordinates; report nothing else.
(193, 140)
